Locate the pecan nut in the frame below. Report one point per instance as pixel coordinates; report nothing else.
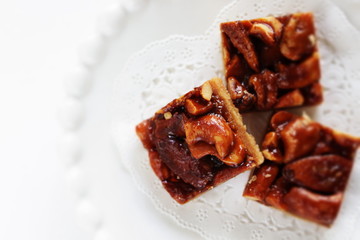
(290, 99)
(240, 39)
(298, 38)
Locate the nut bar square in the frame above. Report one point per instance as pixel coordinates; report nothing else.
(272, 62)
(198, 141)
(306, 168)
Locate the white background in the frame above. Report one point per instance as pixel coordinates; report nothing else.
(39, 42)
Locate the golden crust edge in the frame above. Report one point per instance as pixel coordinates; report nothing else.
(235, 119)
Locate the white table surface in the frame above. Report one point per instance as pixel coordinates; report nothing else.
(38, 46)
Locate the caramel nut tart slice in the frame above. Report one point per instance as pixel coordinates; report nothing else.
(306, 168)
(198, 141)
(272, 62)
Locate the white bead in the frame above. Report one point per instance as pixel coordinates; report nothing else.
(92, 51)
(77, 83)
(71, 114)
(102, 234)
(70, 148)
(88, 216)
(112, 21)
(76, 181)
(134, 5)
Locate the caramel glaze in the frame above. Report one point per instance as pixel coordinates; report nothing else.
(268, 57)
(183, 176)
(312, 185)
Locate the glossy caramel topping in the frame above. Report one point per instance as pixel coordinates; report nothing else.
(307, 168)
(266, 59)
(192, 147)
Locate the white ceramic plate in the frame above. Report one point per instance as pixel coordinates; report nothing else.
(108, 198)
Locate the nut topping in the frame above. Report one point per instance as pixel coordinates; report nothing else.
(239, 38)
(261, 180)
(195, 108)
(299, 75)
(268, 29)
(263, 31)
(318, 208)
(291, 99)
(275, 24)
(167, 115)
(238, 93)
(206, 91)
(270, 147)
(275, 61)
(280, 118)
(211, 130)
(237, 155)
(296, 41)
(237, 67)
(299, 137)
(327, 173)
(265, 87)
(313, 165)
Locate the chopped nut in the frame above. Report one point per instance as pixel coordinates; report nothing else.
(195, 108)
(267, 175)
(167, 115)
(252, 179)
(209, 131)
(206, 91)
(300, 75)
(291, 99)
(295, 42)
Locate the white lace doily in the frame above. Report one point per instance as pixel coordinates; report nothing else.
(166, 69)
